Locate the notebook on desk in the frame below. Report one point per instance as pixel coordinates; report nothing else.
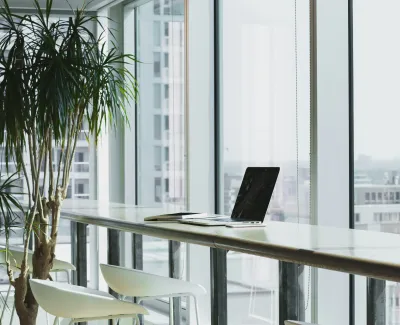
(176, 216)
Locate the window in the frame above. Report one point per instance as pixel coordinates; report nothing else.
(166, 29)
(157, 127)
(397, 196)
(166, 60)
(166, 122)
(79, 157)
(373, 196)
(380, 196)
(156, 6)
(166, 154)
(157, 64)
(157, 189)
(81, 189)
(157, 33)
(357, 217)
(167, 10)
(69, 192)
(167, 185)
(258, 104)
(166, 91)
(152, 113)
(157, 95)
(367, 196)
(157, 158)
(154, 96)
(391, 197)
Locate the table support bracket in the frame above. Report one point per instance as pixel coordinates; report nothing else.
(291, 292)
(79, 254)
(175, 268)
(376, 302)
(219, 291)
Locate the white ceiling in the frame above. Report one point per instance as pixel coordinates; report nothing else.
(60, 4)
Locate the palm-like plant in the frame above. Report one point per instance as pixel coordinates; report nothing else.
(11, 209)
(53, 77)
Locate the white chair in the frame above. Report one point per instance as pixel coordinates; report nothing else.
(144, 286)
(15, 256)
(81, 304)
(294, 322)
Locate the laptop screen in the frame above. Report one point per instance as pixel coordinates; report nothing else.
(255, 193)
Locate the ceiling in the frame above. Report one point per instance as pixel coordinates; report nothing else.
(59, 4)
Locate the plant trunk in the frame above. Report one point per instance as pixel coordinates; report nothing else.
(25, 303)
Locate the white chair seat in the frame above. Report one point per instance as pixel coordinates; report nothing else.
(134, 283)
(69, 301)
(16, 255)
(293, 322)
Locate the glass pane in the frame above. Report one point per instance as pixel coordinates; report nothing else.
(160, 132)
(265, 118)
(376, 116)
(165, 95)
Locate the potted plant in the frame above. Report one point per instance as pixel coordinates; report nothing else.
(54, 75)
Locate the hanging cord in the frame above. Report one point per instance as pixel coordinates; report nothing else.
(297, 137)
(171, 57)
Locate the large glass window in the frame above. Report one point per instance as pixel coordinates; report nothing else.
(376, 116)
(159, 122)
(264, 114)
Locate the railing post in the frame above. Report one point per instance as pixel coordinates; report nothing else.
(174, 254)
(291, 292)
(137, 259)
(219, 291)
(79, 254)
(376, 302)
(113, 254)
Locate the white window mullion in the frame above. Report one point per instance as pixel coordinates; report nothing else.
(330, 152)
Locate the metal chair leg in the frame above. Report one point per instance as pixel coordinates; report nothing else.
(12, 313)
(137, 320)
(5, 302)
(196, 307)
(56, 320)
(68, 277)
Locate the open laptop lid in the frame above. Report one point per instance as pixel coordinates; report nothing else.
(255, 193)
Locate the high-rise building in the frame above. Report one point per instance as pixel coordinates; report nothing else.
(161, 103)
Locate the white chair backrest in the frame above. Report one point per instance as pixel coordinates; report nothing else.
(69, 301)
(16, 254)
(134, 283)
(293, 322)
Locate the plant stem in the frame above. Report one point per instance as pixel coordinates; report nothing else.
(51, 176)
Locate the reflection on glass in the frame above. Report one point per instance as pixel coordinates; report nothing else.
(264, 123)
(160, 107)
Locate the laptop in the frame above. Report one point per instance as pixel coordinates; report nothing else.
(252, 201)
